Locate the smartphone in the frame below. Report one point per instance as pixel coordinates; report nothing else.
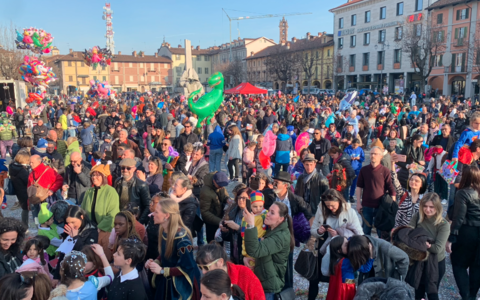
(326, 226)
(254, 183)
(401, 158)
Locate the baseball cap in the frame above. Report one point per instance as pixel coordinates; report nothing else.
(221, 179)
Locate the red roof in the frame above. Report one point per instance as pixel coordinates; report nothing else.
(245, 88)
(346, 4)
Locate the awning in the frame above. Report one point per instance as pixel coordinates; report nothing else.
(245, 88)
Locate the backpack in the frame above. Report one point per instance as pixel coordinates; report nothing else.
(386, 213)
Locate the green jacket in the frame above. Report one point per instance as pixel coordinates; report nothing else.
(74, 147)
(63, 120)
(50, 233)
(271, 256)
(6, 133)
(212, 201)
(106, 207)
(62, 147)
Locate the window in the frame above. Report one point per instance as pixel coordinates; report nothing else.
(439, 18)
(418, 29)
(439, 36)
(439, 60)
(199, 70)
(82, 64)
(340, 43)
(130, 65)
(353, 41)
(207, 58)
(142, 78)
(354, 20)
(104, 68)
(177, 57)
(116, 79)
(460, 33)
(399, 8)
(70, 78)
(340, 23)
(84, 81)
(366, 38)
(366, 59)
(95, 78)
(328, 53)
(397, 56)
(178, 80)
(418, 5)
(316, 54)
(115, 66)
(141, 65)
(462, 14)
(380, 57)
(367, 16)
(352, 60)
(94, 67)
(69, 63)
(398, 33)
(340, 62)
(383, 13)
(199, 58)
(152, 67)
(152, 78)
(206, 70)
(131, 78)
(178, 69)
(104, 78)
(381, 36)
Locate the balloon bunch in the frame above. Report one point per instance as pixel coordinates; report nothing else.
(269, 145)
(97, 55)
(35, 40)
(37, 96)
(100, 90)
(36, 72)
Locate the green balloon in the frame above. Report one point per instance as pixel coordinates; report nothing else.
(207, 105)
(36, 41)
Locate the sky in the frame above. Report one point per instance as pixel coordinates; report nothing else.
(142, 24)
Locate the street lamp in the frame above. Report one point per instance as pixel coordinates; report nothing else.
(385, 45)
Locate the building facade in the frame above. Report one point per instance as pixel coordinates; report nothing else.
(368, 35)
(456, 69)
(317, 50)
(201, 62)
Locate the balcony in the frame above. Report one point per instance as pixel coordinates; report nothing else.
(397, 66)
(380, 67)
(459, 43)
(365, 68)
(456, 69)
(339, 70)
(352, 69)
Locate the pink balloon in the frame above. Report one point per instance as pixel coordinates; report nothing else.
(303, 140)
(269, 143)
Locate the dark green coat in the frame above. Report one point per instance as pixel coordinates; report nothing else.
(271, 256)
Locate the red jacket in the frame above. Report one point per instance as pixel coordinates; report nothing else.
(51, 179)
(247, 281)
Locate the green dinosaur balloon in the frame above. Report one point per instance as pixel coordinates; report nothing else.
(207, 105)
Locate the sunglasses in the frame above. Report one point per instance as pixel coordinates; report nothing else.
(207, 267)
(165, 144)
(127, 168)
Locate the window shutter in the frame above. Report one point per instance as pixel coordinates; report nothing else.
(463, 61)
(466, 13)
(456, 32)
(442, 36)
(454, 62)
(458, 14)
(465, 32)
(440, 61)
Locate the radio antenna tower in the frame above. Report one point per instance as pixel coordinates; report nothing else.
(107, 16)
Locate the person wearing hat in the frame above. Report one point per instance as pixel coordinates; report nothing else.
(257, 203)
(311, 184)
(39, 131)
(7, 134)
(48, 228)
(213, 198)
(131, 189)
(101, 203)
(40, 149)
(107, 143)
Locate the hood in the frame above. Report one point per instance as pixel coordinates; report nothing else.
(344, 156)
(74, 145)
(412, 241)
(218, 130)
(208, 181)
(283, 137)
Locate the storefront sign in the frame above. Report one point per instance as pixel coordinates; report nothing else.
(415, 17)
(380, 26)
(346, 32)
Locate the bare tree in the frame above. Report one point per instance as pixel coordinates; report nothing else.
(10, 56)
(421, 45)
(283, 65)
(309, 61)
(235, 71)
(340, 66)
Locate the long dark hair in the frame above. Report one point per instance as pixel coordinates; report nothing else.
(470, 178)
(218, 282)
(283, 212)
(78, 213)
(9, 225)
(331, 195)
(210, 252)
(335, 252)
(14, 286)
(38, 246)
(358, 251)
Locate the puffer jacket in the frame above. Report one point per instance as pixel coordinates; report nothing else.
(384, 289)
(318, 185)
(138, 194)
(235, 147)
(212, 201)
(466, 211)
(271, 255)
(283, 148)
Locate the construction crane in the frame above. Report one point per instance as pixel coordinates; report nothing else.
(255, 17)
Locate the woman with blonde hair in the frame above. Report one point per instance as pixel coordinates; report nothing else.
(234, 152)
(176, 274)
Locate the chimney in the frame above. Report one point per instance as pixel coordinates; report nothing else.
(308, 35)
(319, 34)
(192, 47)
(156, 54)
(282, 42)
(143, 54)
(179, 46)
(294, 39)
(71, 51)
(288, 45)
(198, 48)
(252, 53)
(119, 52)
(134, 53)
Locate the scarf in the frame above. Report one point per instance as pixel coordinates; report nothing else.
(187, 194)
(306, 181)
(307, 177)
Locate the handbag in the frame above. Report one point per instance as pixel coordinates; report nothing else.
(449, 171)
(385, 216)
(306, 264)
(287, 294)
(36, 193)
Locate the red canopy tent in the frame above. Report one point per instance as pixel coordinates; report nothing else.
(245, 88)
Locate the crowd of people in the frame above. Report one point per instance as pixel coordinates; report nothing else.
(135, 198)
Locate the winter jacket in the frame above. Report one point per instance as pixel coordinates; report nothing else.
(19, 178)
(39, 132)
(356, 164)
(271, 255)
(346, 163)
(78, 184)
(348, 217)
(318, 185)
(9, 262)
(216, 140)
(320, 149)
(467, 137)
(101, 122)
(198, 173)
(63, 121)
(183, 139)
(267, 120)
(283, 148)
(389, 261)
(188, 205)
(212, 201)
(466, 211)
(50, 179)
(58, 163)
(413, 155)
(73, 147)
(107, 206)
(384, 289)
(19, 120)
(246, 280)
(138, 194)
(437, 139)
(132, 145)
(155, 183)
(235, 147)
(87, 135)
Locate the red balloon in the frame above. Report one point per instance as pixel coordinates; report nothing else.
(264, 160)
